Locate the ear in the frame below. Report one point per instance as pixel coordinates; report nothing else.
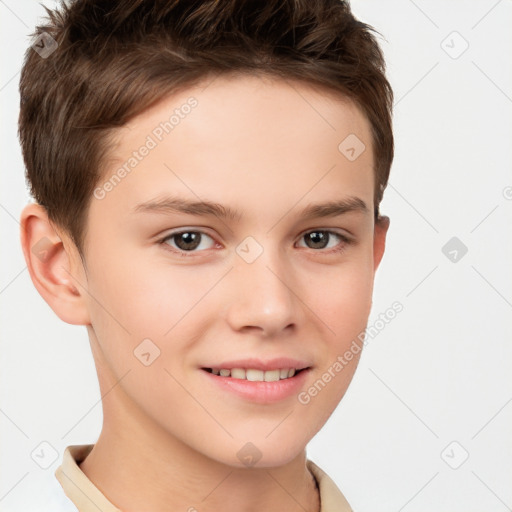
(54, 265)
(379, 239)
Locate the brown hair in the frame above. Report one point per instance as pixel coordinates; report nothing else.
(116, 59)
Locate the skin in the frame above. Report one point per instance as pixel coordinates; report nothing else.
(267, 148)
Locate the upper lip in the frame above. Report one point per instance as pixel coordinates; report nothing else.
(258, 364)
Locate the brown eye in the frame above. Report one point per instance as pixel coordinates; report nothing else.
(187, 241)
(324, 239)
(317, 239)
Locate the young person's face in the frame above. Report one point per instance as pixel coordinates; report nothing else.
(270, 288)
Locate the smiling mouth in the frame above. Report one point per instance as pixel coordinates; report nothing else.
(254, 375)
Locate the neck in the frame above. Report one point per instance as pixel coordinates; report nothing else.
(138, 466)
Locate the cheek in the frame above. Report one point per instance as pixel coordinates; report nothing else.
(343, 307)
(132, 302)
(346, 298)
(143, 298)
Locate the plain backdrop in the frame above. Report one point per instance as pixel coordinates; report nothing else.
(426, 422)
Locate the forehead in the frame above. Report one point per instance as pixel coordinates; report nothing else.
(255, 95)
(233, 138)
(239, 106)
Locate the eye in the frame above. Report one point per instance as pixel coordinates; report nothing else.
(321, 238)
(187, 241)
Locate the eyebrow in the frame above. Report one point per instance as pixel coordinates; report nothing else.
(170, 205)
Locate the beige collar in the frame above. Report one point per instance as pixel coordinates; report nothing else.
(88, 498)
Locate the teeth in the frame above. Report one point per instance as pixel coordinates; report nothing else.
(271, 376)
(256, 375)
(238, 373)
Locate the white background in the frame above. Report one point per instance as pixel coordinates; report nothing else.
(438, 373)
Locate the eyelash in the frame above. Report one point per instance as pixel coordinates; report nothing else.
(187, 254)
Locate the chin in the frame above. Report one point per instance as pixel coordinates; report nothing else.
(261, 452)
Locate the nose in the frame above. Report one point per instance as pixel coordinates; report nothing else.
(262, 298)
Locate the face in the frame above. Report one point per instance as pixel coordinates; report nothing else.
(217, 292)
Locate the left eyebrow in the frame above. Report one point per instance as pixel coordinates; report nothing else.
(334, 208)
(312, 211)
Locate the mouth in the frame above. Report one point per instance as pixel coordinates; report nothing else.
(256, 375)
(258, 381)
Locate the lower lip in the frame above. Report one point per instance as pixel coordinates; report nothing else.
(260, 392)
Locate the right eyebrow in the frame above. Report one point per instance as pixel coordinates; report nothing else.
(178, 205)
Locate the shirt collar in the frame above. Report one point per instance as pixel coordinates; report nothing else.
(88, 498)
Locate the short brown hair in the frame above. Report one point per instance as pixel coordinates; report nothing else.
(116, 59)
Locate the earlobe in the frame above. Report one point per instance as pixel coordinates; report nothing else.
(379, 240)
(51, 266)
